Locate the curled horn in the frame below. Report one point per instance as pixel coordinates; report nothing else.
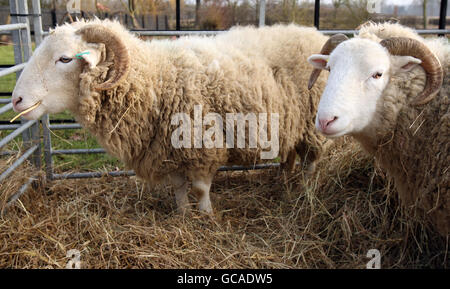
(430, 63)
(100, 34)
(327, 48)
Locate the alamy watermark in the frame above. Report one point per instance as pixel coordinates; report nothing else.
(75, 259)
(73, 6)
(213, 137)
(76, 6)
(374, 6)
(375, 261)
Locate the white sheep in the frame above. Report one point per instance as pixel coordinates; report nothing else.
(130, 94)
(387, 88)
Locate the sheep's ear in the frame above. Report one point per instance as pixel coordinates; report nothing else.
(319, 60)
(404, 63)
(94, 54)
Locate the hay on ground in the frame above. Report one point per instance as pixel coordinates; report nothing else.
(261, 220)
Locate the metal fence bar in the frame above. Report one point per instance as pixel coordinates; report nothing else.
(6, 107)
(419, 31)
(36, 140)
(249, 168)
(177, 15)
(65, 126)
(9, 126)
(25, 33)
(16, 132)
(34, 132)
(262, 13)
(47, 147)
(92, 175)
(317, 13)
(3, 100)
(176, 33)
(78, 151)
(132, 173)
(443, 15)
(37, 21)
(11, 27)
(12, 69)
(18, 162)
(215, 32)
(15, 35)
(21, 191)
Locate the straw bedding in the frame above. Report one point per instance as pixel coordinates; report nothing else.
(262, 220)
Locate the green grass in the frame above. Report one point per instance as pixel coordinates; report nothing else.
(71, 139)
(6, 54)
(7, 83)
(7, 58)
(64, 139)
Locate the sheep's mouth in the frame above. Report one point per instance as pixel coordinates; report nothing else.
(335, 134)
(26, 110)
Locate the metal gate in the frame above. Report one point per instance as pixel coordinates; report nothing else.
(29, 130)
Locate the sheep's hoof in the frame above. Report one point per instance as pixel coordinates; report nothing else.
(206, 215)
(184, 211)
(206, 210)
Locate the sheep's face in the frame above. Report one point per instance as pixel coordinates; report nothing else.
(51, 76)
(360, 70)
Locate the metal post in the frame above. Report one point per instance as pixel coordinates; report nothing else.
(27, 51)
(37, 25)
(317, 13)
(15, 35)
(22, 51)
(25, 33)
(262, 13)
(38, 35)
(443, 16)
(37, 22)
(178, 15)
(47, 147)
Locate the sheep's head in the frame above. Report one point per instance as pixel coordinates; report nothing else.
(52, 75)
(360, 69)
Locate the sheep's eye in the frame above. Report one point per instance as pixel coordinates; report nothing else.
(65, 59)
(377, 75)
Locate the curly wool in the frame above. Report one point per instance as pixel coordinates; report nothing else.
(412, 143)
(246, 70)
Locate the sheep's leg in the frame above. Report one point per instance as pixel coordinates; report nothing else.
(180, 185)
(310, 169)
(288, 166)
(181, 197)
(201, 187)
(309, 156)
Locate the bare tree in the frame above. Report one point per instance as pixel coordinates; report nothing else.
(336, 5)
(131, 9)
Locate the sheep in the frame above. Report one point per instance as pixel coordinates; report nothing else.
(128, 93)
(388, 88)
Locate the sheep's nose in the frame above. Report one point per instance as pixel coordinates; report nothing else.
(326, 122)
(16, 101)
